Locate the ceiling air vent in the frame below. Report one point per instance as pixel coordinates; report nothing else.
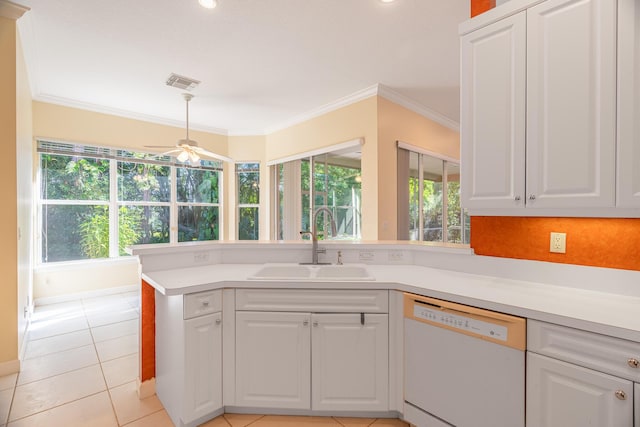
(182, 82)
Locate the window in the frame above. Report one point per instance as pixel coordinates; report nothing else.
(429, 199)
(331, 180)
(94, 202)
(248, 197)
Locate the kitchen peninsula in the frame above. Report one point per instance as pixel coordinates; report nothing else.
(220, 278)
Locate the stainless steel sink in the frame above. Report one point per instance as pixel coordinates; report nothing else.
(312, 273)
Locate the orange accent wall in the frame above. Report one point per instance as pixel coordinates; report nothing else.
(599, 242)
(480, 6)
(147, 332)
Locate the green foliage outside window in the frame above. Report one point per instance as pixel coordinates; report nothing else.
(76, 203)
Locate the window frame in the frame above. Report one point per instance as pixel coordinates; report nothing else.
(115, 155)
(240, 205)
(446, 161)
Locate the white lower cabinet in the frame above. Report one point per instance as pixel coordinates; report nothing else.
(577, 378)
(560, 394)
(313, 361)
(203, 358)
(273, 360)
(349, 362)
(636, 411)
(189, 356)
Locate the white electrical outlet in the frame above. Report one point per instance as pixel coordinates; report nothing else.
(201, 257)
(558, 243)
(395, 256)
(365, 256)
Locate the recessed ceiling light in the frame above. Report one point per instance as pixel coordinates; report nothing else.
(387, 1)
(209, 4)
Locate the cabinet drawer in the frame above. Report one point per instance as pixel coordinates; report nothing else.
(202, 303)
(313, 300)
(614, 356)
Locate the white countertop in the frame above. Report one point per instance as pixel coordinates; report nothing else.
(605, 313)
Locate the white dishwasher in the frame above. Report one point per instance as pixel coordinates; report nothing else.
(464, 366)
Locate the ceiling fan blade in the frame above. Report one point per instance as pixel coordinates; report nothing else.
(216, 156)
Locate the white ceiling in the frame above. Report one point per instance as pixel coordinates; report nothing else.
(263, 63)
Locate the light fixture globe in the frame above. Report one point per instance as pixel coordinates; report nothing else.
(208, 4)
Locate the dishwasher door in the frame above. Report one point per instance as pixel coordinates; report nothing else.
(463, 366)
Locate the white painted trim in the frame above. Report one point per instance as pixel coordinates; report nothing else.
(327, 108)
(10, 367)
(331, 148)
(606, 212)
(417, 149)
(66, 102)
(146, 389)
(88, 294)
(414, 106)
(375, 90)
(12, 10)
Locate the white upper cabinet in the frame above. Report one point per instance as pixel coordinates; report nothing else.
(493, 114)
(571, 103)
(538, 109)
(628, 103)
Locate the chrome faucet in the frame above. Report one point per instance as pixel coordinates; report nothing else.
(314, 234)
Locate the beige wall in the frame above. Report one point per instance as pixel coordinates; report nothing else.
(77, 278)
(8, 188)
(354, 121)
(25, 186)
(88, 127)
(396, 123)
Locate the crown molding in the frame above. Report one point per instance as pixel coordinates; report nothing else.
(375, 90)
(417, 108)
(65, 102)
(12, 10)
(327, 108)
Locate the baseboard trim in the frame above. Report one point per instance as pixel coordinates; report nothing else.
(146, 388)
(89, 294)
(10, 367)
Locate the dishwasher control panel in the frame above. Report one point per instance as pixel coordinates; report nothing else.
(460, 322)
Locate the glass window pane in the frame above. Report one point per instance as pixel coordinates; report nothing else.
(248, 224)
(197, 185)
(432, 198)
(414, 197)
(197, 223)
(143, 224)
(74, 178)
(143, 182)
(248, 181)
(454, 213)
(73, 232)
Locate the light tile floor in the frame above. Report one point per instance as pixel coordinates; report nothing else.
(80, 369)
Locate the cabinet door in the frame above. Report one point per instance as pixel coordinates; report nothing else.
(628, 192)
(203, 366)
(273, 360)
(560, 394)
(571, 103)
(350, 362)
(493, 114)
(636, 396)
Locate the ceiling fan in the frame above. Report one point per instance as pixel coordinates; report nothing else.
(187, 149)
